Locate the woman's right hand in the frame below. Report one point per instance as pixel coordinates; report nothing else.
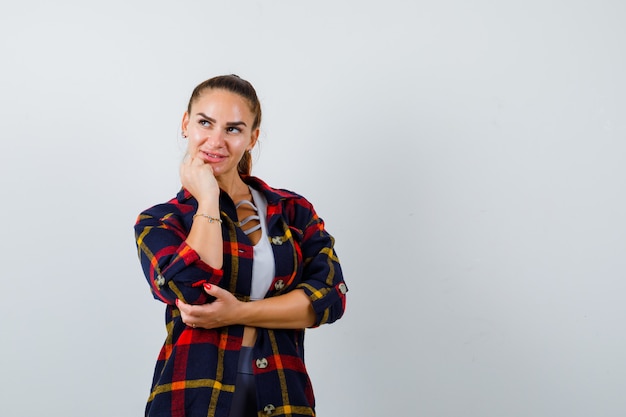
(197, 178)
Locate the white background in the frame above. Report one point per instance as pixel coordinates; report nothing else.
(468, 156)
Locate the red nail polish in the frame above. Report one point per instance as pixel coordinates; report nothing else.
(207, 286)
(177, 302)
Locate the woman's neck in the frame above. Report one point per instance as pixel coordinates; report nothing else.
(235, 188)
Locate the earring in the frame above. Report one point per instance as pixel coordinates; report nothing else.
(182, 134)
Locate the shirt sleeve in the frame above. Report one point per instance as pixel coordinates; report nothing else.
(322, 276)
(173, 269)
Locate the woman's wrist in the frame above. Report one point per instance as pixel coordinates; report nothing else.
(208, 200)
(208, 217)
(212, 208)
(245, 311)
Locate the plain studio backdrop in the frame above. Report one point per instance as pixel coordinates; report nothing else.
(468, 157)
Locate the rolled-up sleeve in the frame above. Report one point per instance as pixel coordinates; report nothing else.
(322, 278)
(173, 269)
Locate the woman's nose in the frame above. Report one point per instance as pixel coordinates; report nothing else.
(215, 139)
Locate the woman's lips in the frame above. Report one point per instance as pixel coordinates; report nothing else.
(212, 157)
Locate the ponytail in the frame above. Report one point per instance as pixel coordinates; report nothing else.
(245, 164)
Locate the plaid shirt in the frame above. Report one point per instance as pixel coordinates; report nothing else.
(196, 369)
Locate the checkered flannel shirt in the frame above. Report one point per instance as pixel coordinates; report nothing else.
(196, 369)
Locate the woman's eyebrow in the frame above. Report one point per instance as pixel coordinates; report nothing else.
(212, 120)
(236, 124)
(204, 116)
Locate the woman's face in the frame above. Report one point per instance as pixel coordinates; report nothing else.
(219, 130)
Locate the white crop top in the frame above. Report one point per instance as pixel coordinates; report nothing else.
(263, 268)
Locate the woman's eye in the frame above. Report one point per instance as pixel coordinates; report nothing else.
(204, 123)
(233, 129)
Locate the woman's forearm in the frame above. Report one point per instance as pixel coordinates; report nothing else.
(292, 310)
(205, 236)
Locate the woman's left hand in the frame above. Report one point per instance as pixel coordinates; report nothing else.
(221, 312)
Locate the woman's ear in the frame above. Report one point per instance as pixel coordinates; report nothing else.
(254, 137)
(184, 124)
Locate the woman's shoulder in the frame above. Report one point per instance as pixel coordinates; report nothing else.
(294, 207)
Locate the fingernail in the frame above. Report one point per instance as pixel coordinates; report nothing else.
(177, 302)
(207, 286)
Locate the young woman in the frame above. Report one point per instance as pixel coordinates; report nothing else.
(243, 269)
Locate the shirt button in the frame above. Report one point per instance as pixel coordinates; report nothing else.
(261, 363)
(160, 280)
(279, 285)
(277, 240)
(342, 288)
(269, 409)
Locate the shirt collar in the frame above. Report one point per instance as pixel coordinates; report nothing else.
(273, 195)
